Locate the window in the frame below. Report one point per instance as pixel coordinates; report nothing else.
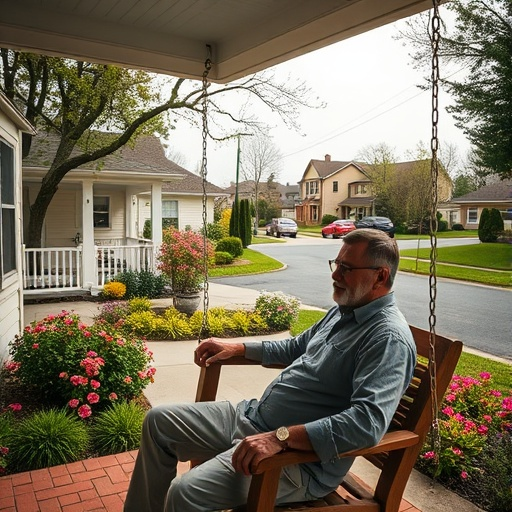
(170, 214)
(311, 188)
(7, 212)
(335, 186)
(101, 211)
(361, 189)
(472, 215)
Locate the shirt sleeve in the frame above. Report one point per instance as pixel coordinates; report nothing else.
(284, 351)
(384, 367)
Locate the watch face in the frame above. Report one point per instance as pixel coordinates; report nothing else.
(282, 433)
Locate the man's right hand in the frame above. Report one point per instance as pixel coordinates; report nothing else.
(210, 351)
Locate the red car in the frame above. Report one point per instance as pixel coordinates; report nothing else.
(338, 228)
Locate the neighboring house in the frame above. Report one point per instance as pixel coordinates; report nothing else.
(497, 195)
(284, 196)
(336, 188)
(344, 189)
(12, 125)
(93, 227)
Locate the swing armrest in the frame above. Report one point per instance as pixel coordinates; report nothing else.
(391, 441)
(209, 376)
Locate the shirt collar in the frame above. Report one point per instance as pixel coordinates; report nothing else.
(363, 313)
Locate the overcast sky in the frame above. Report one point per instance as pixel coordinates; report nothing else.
(370, 89)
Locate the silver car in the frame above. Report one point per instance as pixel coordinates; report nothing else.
(283, 227)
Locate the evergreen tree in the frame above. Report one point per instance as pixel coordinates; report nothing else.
(234, 221)
(483, 226)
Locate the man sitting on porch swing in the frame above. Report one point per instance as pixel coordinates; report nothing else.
(344, 379)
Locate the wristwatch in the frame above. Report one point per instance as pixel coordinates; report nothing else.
(282, 435)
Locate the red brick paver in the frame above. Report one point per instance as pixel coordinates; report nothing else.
(97, 485)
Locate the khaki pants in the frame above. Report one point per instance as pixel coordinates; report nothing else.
(199, 431)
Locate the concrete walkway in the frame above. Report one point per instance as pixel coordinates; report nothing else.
(100, 484)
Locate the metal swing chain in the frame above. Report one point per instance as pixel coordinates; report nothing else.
(205, 327)
(434, 172)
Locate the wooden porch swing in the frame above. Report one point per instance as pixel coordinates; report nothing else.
(396, 454)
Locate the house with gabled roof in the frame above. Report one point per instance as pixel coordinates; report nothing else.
(334, 187)
(94, 225)
(344, 189)
(496, 195)
(12, 125)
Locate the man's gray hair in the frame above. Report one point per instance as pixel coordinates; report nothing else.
(382, 249)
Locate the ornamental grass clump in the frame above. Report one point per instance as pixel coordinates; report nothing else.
(118, 428)
(277, 309)
(473, 416)
(47, 438)
(83, 367)
(181, 258)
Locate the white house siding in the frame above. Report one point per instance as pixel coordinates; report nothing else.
(116, 230)
(190, 211)
(11, 298)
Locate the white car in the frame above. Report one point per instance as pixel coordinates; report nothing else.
(282, 227)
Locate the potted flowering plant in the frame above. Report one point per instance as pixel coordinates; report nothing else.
(181, 258)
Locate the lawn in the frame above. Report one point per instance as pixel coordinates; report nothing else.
(252, 262)
(495, 256)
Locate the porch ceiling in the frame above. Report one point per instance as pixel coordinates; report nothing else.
(170, 36)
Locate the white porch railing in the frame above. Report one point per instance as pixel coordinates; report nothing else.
(58, 267)
(61, 268)
(112, 260)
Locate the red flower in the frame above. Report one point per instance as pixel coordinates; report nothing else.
(84, 411)
(93, 398)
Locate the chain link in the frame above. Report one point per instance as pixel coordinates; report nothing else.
(434, 172)
(205, 327)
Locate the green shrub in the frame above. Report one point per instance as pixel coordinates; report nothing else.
(490, 226)
(277, 309)
(7, 426)
(139, 304)
(223, 258)
(214, 231)
(146, 232)
(47, 438)
(328, 219)
(118, 428)
(458, 227)
(142, 283)
(231, 244)
(85, 367)
(113, 290)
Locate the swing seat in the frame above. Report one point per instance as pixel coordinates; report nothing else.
(395, 455)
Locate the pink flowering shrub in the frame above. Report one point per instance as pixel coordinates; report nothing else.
(181, 259)
(471, 415)
(277, 309)
(82, 367)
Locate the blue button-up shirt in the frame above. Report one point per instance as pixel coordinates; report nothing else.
(344, 379)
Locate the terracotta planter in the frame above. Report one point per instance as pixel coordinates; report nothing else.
(187, 302)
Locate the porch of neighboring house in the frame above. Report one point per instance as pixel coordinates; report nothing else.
(64, 269)
(92, 232)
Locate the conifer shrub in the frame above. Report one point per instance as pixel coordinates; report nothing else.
(328, 219)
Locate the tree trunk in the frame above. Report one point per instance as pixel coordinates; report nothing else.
(37, 215)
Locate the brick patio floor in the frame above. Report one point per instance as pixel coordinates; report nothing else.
(95, 485)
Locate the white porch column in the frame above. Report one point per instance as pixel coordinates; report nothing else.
(88, 254)
(156, 214)
(130, 214)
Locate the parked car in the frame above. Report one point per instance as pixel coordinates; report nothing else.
(282, 227)
(267, 228)
(338, 228)
(382, 223)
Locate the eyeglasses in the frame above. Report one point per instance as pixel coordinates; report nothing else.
(336, 265)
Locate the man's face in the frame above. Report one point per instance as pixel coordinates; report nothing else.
(357, 287)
